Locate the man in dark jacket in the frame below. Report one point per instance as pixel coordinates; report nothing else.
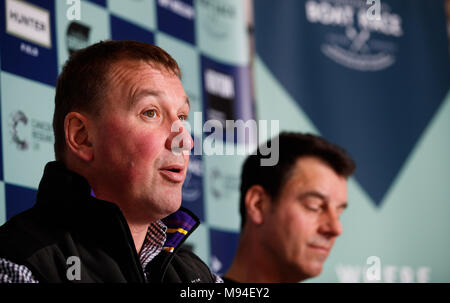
(108, 209)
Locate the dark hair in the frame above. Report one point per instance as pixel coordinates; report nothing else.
(292, 146)
(84, 79)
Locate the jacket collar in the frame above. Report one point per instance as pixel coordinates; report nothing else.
(62, 189)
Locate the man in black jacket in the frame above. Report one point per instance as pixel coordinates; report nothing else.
(108, 209)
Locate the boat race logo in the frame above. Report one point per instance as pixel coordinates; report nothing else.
(360, 35)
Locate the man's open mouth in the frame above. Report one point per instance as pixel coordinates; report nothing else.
(173, 173)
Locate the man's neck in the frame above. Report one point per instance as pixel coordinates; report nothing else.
(252, 265)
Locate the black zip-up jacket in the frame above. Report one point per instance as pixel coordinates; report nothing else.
(68, 221)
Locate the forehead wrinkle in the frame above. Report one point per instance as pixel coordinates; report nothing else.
(119, 73)
(136, 94)
(132, 73)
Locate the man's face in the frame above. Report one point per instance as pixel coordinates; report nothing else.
(303, 224)
(132, 138)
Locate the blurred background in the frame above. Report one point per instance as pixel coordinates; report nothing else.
(372, 76)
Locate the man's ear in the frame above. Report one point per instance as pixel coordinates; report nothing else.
(77, 136)
(257, 202)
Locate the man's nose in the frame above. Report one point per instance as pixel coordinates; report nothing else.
(331, 226)
(179, 139)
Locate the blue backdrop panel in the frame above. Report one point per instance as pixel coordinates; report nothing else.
(24, 57)
(226, 92)
(99, 2)
(193, 187)
(177, 20)
(20, 199)
(223, 246)
(123, 30)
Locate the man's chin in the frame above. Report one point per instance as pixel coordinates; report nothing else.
(316, 270)
(313, 270)
(170, 206)
(305, 273)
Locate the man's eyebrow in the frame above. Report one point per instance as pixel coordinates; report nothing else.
(148, 92)
(343, 205)
(143, 93)
(313, 193)
(188, 102)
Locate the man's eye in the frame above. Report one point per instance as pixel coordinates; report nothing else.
(151, 113)
(313, 208)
